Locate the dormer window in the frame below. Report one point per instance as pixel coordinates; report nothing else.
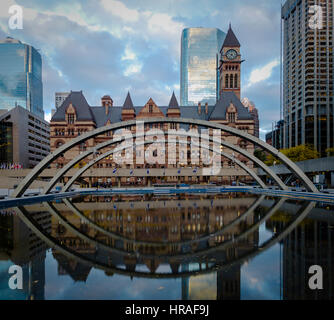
(70, 118)
(150, 108)
(231, 117)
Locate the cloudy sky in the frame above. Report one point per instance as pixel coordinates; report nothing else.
(112, 46)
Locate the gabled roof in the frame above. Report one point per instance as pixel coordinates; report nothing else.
(231, 40)
(79, 102)
(128, 102)
(219, 111)
(173, 104)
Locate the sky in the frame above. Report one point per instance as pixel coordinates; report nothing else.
(114, 46)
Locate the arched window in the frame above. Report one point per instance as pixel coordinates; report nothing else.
(236, 81)
(59, 144)
(226, 81)
(231, 81)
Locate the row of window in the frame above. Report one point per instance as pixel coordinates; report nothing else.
(231, 81)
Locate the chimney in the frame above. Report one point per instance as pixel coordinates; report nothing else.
(206, 108)
(199, 108)
(106, 102)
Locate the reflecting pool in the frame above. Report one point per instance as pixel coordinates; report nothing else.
(227, 246)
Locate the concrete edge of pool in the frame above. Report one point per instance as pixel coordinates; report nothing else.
(299, 195)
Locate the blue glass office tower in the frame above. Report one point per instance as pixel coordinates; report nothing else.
(20, 77)
(199, 75)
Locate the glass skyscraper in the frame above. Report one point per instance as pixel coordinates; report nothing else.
(199, 77)
(20, 77)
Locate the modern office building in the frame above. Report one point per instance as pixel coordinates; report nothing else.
(200, 49)
(60, 98)
(25, 139)
(307, 93)
(20, 77)
(275, 137)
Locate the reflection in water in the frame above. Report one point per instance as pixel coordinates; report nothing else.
(22, 247)
(199, 246)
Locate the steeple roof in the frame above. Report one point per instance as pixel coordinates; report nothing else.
(173, 104)
(128, 102)
(231, 40)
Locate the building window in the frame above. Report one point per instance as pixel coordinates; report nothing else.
(59, 144)
(226, 81)
(236, 81)
(82, 146)
(150, 108)
(231, 81)
(70, 118)
(243, 144)
(231, 117)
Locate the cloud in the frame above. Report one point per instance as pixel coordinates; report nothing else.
(129, 54)
(117, 8)
(263, 73)
(111, 46)
(133, 69)
(47, 116)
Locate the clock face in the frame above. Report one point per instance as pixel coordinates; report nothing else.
(231, 54)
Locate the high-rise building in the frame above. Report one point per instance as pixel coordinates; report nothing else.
(200, 49)
(307, 100)
(24, 138)
(60, 98)
(20, 77)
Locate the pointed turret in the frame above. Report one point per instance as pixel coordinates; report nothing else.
(173, 110)
(231, 40)
(128, 102)
(173, 104)
(128, 111)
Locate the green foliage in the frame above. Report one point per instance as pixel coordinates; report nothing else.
(330, 152)
(258, 153)
(296, 154)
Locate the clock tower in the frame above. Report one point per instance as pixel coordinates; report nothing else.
(230, 65)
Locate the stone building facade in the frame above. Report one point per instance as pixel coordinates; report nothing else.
(75, 116)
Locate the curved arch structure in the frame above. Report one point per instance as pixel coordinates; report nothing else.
(26, 182)
(53, 243)
(74, 161)
(108, 153)
(205, 251)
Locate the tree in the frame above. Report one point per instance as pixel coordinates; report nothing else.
(258, 153)
(330, 152)
(296, 154)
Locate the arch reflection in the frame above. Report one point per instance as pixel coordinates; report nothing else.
(72, 239)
